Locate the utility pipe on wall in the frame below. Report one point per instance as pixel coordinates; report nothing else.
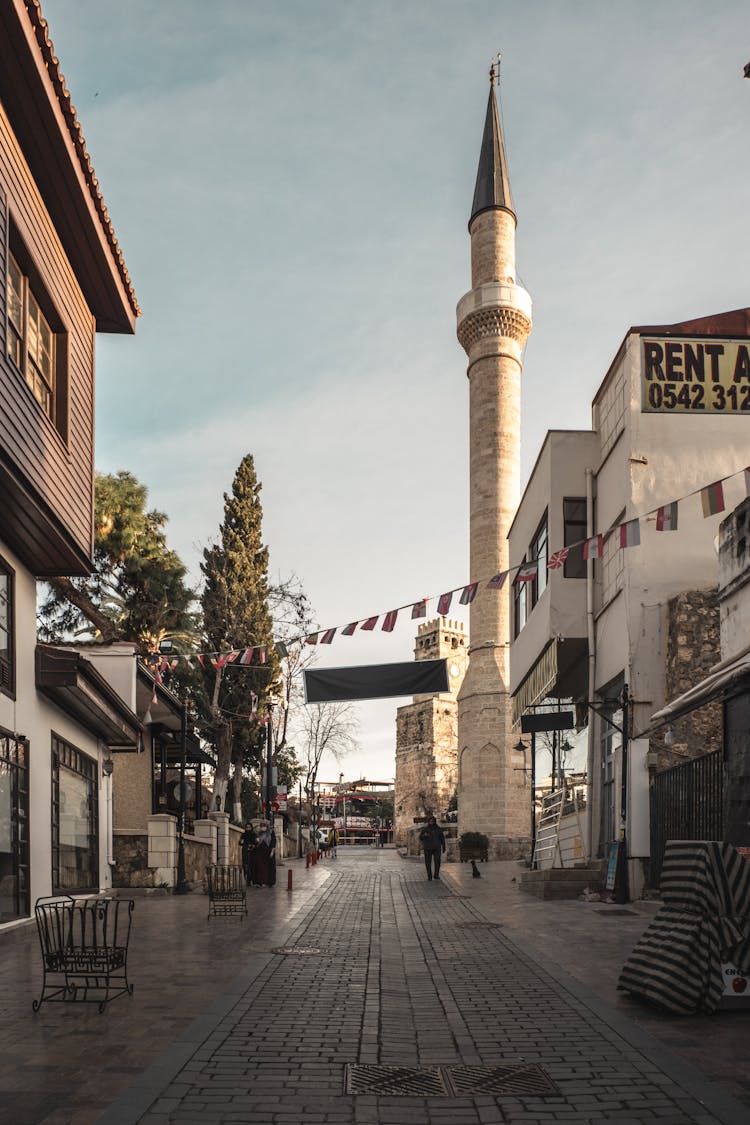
(593, 757)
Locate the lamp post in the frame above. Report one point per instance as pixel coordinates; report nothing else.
(181, 886)
(269, 765)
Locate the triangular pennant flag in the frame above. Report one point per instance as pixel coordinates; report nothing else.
(349, 629)
(419, 609)
(368, 625)
(666, 517)
(328, 636)
(712, 499)
(593, 548)
(281, 650)
(630, 534)
(557, 559)
(202, 659)
(389, 621)
(312, 639)
(247, 656)
(468, 593)
(262, 653)
(498, 581)
(444, 603)
(528, 571)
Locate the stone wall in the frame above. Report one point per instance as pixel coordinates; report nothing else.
(130, 853)
(693, 648)
(426, 761)
(427, 732)
(197, 859)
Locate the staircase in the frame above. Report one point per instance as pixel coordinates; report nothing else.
(557, 883)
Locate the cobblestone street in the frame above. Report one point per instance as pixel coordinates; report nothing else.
(394, 1000)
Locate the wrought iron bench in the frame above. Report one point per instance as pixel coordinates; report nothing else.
(227, 891)
(84, 948)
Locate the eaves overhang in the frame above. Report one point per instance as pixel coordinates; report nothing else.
(37, 102)
(74, 685)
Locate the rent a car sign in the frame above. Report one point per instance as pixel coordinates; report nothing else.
(695, 376)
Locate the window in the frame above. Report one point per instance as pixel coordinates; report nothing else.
(7, 642)
(520, 605)
(35, 343)
(613, 563)
(574, 531)
(75, 819)
(538, 550)
(14, 827)
(527, 594)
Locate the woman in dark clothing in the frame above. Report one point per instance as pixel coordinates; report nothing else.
(433, 844)
(265, 857)
(248, 843)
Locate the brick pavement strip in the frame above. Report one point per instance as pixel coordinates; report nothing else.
(402, 981)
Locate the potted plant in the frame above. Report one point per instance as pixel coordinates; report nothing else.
(472, 845)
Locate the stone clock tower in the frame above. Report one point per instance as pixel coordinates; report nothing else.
(427, 731)
(494, 322)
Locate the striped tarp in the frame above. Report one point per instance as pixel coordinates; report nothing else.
(705, 922)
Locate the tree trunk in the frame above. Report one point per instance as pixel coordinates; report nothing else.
(106, 626)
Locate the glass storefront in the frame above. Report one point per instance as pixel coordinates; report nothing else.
(75, 819)
(14, 827)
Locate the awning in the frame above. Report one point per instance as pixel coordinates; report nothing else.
(715, 686)
(76, 687)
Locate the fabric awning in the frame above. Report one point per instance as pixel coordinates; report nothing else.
(717, 684)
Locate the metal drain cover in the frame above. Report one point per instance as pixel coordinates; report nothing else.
(296, 950)
(511, 1078)
(404, 1081)
(457, 1081)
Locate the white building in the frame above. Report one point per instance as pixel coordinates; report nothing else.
(671, 417)
(62, 280)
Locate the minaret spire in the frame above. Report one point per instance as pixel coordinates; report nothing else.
(492, 189)
(494, 321)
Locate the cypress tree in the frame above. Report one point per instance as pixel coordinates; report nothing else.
(236, 616)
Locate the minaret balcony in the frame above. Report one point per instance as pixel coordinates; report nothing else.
(494, 295)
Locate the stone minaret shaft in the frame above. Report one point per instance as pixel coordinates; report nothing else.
(494, 321)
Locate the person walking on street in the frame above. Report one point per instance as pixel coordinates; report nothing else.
(433, 845)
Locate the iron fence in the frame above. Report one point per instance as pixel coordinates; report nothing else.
(687, 803)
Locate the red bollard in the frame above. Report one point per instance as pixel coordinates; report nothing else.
(289, 879)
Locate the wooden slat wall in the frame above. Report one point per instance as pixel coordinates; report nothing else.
(60, 473)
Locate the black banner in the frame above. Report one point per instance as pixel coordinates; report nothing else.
(375, 681)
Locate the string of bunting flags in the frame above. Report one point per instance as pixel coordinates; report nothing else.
(628, 533)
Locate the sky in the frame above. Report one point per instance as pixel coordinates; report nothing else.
(290, 182)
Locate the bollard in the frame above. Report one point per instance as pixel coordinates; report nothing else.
(307, 859)
(289, 879)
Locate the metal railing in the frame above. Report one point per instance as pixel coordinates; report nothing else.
(687, 803)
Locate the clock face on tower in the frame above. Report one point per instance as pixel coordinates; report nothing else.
(454, 669)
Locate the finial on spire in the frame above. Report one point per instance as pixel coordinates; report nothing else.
(495, 69)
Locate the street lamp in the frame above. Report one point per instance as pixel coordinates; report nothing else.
(181, 886)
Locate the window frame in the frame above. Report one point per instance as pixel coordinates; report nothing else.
(66, 756)
(8, 663)
(33, 296)
(575, 564)
(14, 756)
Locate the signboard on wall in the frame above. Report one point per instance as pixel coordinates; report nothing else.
(694, 375)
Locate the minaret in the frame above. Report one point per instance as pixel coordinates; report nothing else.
(494, 322)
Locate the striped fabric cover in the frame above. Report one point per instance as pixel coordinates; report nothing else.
(705, 921)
